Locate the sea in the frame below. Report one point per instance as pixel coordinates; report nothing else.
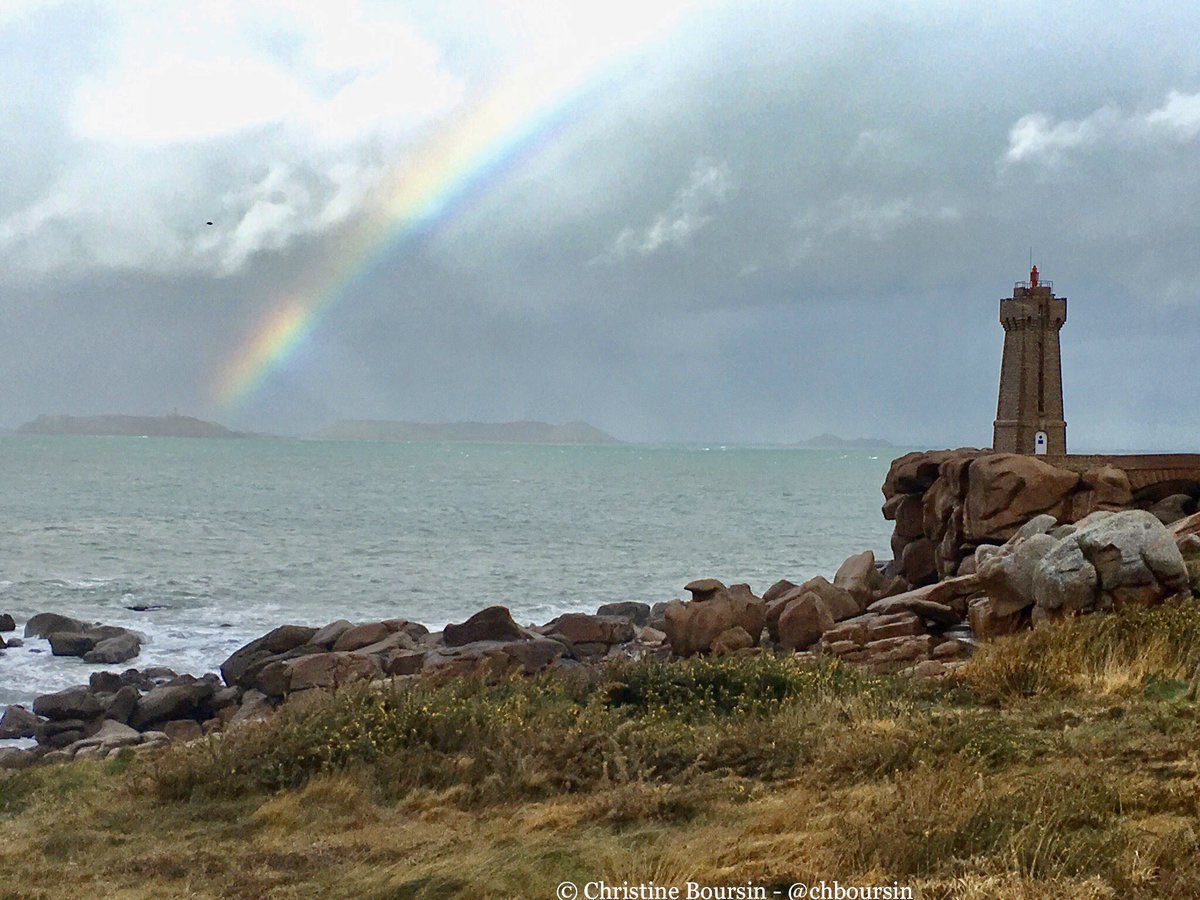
(204, 544)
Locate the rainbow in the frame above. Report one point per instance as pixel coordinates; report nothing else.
(467, 157)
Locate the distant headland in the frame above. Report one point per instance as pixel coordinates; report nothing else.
(129, 426)
(499, 432)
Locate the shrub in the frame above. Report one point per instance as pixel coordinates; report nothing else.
(1108, 652)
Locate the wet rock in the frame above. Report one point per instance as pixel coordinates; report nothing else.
(105, 682)
(72, 703)
(492, 624)
(44, 624)
(71, 643)
(7, 623)
(117, 649)
(18, 722)
(173, 701)
(122, 704)
(245, 663)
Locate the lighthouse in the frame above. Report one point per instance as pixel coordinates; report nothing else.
(1029, 414)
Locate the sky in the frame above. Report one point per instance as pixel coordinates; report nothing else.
(679, 221)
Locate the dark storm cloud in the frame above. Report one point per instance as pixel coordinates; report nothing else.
(771, 224)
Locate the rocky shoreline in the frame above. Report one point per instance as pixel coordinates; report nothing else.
(985, 544)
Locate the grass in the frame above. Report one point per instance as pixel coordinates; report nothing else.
(1064, 763)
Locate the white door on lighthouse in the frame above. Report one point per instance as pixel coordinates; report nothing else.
(1039, 443)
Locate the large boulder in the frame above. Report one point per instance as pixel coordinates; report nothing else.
(173, 701)
(71, 643)
(693, 627)
(496, 658)
(803, 622)
(777, 590)
(18, 722)
(44, 624)
(330, 670)
(918, 561)
(246, 662)
(581, 628)
(1005, 490)
(1184, 527)
(492, 624)
(734, 640)
(1119, 559)
(117, 649)
(922, 602)
(630, 610)
(860, 578)
(1006, 574)
(362, 636)
(7, 623)
(915, 473)
(1102, 488)
(326, 636)
(990, 619)
(1170, 510)
(72, 703)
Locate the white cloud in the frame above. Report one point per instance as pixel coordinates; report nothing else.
(188, 72)
(1180, 115)
(708, 186)
(1039, 138)
(868, 218)
(274, 118)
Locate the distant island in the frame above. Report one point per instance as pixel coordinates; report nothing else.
(832, 440)
(498, 432)
(131, 426)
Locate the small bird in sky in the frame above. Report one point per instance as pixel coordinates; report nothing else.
(208, 223)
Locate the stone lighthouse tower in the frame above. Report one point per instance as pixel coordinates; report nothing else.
(1029, 416)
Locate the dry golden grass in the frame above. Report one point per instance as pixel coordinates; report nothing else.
(1087, 785)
